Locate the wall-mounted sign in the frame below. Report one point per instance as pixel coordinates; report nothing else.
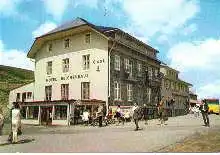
(98, 61)
(76, 76)
(69, 77)
(51, 79)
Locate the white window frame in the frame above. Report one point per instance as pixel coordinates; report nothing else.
(67, 43)
(49, 67)
(117, 90)
(29, 95)
(150, 72)
(48, 93)
(85, 90)
(64, 91)
(126, 61)
(117, 62)
(129, 92)
(65, 64)
(130, 68)
(149, 94)
(86, 61)
(139, 69)
(156, 72)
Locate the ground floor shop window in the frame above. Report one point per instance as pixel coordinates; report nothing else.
(23, 112)
(32, 112)
(60, 112)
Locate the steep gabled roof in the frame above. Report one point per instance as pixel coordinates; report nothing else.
(70, 24)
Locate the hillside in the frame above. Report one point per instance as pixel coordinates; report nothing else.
(11, 78)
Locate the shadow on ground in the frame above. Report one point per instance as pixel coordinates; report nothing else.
(23, 141)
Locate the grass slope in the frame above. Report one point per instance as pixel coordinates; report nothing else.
(11, 78)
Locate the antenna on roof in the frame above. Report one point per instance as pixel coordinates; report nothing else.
(105, 8)
(105, 14)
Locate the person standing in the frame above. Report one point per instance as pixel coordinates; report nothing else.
(145, 114)
(86, 117)
(137, 115)
(161, 111)
(1, 121)
(100, 115)
(16, 122)
(118, 114)
(204, 108)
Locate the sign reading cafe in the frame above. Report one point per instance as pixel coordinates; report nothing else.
(68, 77)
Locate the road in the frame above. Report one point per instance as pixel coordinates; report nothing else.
(112, 138)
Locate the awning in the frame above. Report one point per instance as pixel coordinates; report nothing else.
(193, 101)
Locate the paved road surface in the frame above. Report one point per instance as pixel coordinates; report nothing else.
(111, 138)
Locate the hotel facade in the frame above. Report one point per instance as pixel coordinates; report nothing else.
(175, 88)
(79, 63)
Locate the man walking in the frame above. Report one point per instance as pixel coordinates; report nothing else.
(204, 108)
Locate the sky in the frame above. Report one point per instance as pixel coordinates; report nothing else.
(186, 32)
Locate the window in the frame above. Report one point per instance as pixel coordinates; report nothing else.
(85, 90)
(60, 112)
(117, 62)
(23, 112)
(139, 69)
(67, 43)
(32, 112)
(50, 46)
(86, 62)
(48, 93)
(129, 92)
(24, 97)
(150, 73)
(64, 91)
(149, 95)
(117, 90)
(65, 65)
(156, 72)
(29, 95)
(18, 98)
(167, 84)
(49, 67)
(126, 65)
(87, 38)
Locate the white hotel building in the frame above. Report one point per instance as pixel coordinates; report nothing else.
(81, 62)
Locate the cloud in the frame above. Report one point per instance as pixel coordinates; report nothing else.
(163, 17)
(44, 28)
(195, 55)
(198, 63)
(9, 7)
(56, 8)
(189, 29)
(87, 3)
(210, 90)
(15, 58)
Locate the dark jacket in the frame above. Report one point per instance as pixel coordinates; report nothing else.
(204, 108)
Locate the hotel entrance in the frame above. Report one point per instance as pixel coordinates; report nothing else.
(46, 115)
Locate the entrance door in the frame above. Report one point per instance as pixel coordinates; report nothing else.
(46, 115)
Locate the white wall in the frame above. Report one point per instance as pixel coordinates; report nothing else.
(98, 80)
(26, 88)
